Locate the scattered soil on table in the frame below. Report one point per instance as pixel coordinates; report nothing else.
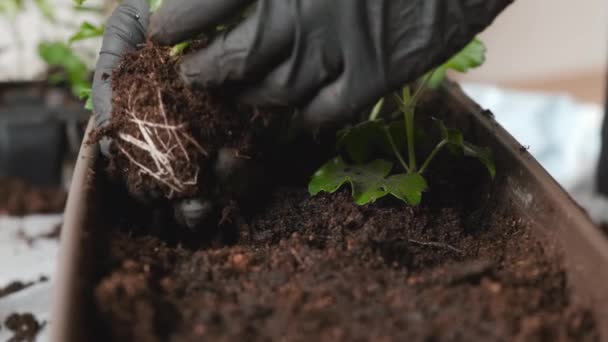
(13, 287)
(24, 326)
(460, 267)
(166, 134)
(17, 286)
(18, 198)
(51, 235)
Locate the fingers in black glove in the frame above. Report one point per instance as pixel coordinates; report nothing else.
(329, 58)
(236, 178)
(125, 29)
(176, 21)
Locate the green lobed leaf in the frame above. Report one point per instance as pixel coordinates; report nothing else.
(366, 180)
(472, 56)
(86, 31)
(79, 2)
(407, 187)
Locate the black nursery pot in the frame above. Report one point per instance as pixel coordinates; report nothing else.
(521, 183)
(38, 124)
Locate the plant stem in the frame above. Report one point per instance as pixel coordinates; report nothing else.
(409, 105)
(396, 150)
(432, 155)
(377, 109)
(411, 139)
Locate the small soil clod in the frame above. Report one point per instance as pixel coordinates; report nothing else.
(25, 327)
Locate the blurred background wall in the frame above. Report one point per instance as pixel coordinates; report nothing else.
(555, 45)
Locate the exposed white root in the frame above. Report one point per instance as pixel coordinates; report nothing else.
(196, 144)
(162, 141)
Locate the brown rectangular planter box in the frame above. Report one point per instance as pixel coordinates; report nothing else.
(537, 198)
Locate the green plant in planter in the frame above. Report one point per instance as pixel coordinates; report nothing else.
(372, 178)
(71, 68)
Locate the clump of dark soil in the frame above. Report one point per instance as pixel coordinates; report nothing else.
(461, 267)
(18, 198)
(166, 134)
(24, 326)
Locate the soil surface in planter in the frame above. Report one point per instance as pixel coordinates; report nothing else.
(461, 267)
(18, 198)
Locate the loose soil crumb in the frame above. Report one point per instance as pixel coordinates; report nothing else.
(17, 286)
(13, 287)
(165, 133)
(18, 198)
(24, 326)
(325, 269)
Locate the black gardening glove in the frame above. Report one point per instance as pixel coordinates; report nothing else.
(125, 29)
(329, 58)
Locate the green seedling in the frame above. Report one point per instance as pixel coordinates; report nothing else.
(73, 70)
(367, 145)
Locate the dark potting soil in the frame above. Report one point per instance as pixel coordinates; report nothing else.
(18, 198)
(24, 326)
(166, 134)
(461, 267)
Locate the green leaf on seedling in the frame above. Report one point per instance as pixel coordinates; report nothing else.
(85, 94)
(407, 187)
(452, 136)
(86, 31)
(458, 145)
(472, 56)
(483, 154)
(79, 2)
(60, 55)
(366, 180)
(88, 105)
(178, 49)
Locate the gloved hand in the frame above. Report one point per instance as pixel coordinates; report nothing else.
(329, 58)
(125, 29)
